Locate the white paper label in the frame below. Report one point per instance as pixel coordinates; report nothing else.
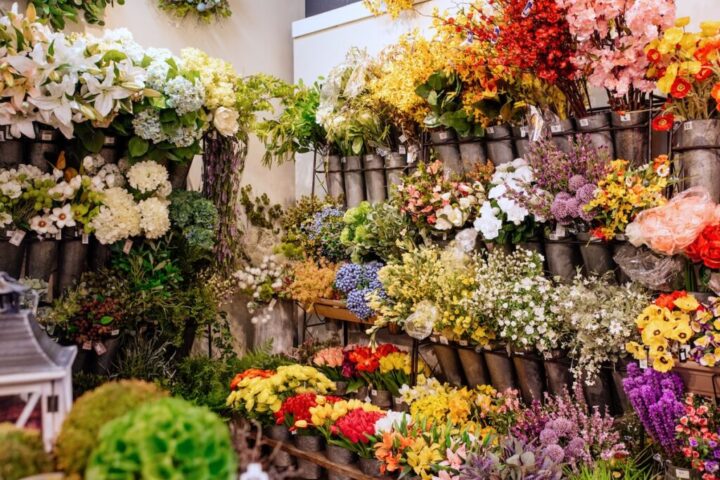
(491, 130)
(584, 122)
(560, 231)
(109, 140)
(682, 473)
(127, 247)
(373, 392)
(100, 348)
(402, 138)
(46, 136)
(687, 126)
(85, 238)
(444, 340)
(523, 132)
(402, 150)
(87, 346)
(115, 332)
(444, 135)
(625, 117)
(10, 233)
(17, 237)
(463, 343)
(58, 235)
(555, 128)
(644, 364)
(343, 160)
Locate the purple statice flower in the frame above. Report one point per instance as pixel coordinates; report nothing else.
(657, 399)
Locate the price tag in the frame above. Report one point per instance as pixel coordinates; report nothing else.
(684, 353)
(584, 122)
(58, 235)
(85, 239)
(402, 150)
(490, 130)
(463, 343)
(115, 332)
(625, 117)
(556, 128)
(527, 8)
(17, 237)
(444, 341)
(444, 135)
(99, 348)
(343, 160)
(682, 473)
(46, 136)
(687, 126)
(373, 392)
(10, 233)
(127, 247)
(402, 138)
(523, 132)
(87, 346)
(109, 140)
(644, 364)
(560, 231)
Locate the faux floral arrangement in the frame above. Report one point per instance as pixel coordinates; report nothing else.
(684, 65)
(503, 218)
(515, 298)
(665, 326)
(205, 10)
(312, 281)
(657, 399)
(697, 431)
(380, 231)
(295, 411)
(610, 39)
(259, 396)
(435, 204)
(265, 284)
(565, 181)
(594, 313)
(624, 192)
(358, 283)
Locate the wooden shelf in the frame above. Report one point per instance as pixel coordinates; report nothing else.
(337, 310)
(319, 458)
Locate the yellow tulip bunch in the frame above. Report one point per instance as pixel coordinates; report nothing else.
(663, 326)
(259, 398)
(324, 416)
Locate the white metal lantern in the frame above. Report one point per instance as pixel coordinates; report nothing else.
(32, 365)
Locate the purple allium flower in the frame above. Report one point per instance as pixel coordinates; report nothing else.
(555, 453)
(586, 193)
(560, 211)
(575, 182)
(548, 436)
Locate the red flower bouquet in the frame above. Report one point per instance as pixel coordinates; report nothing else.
(706, 247)
(698, 432)
(295, 411)
(356, 431)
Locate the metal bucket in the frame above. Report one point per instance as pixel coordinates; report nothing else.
(473, 365)
(395, 164)
(449, 153)
(699, 167)
(44, 150)
(631, 144)
(370, 467)
(530, 376)
(280, 433)
(522, 140)
(381, 398)
(375, 178)
(562, 256)
(449, 363)
(562, 131)
(499, 144)
(601, 139)
(534, 246)
(622, 404)
(354, 186)
(334, 177)
(340, 455)
(42, 262)
(106, 361)
(12, 150)
(596, 254)
(500, 366)
(74, 250)
(599, 394)
(305, 468)
(99, 255)
(472, 153)
(557, 373)
(11, 256)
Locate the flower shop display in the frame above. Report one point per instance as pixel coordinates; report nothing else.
(205, 10)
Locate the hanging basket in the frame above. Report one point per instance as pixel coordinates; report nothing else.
(631, 144)
(562, 256)
(449, 363)
(74, 250)
(11, 255)
(334, 177)
(557, 373)
(699, 167)
(448, 153)
(354, 185)
(499, 144)
(562, 131)
(474, 368)
(472, 154)
(44, 150)
(597, 127)
(530, 375)
(12, 150)
(375, 178)
(521, 140)
(500, 367)
(597, 255)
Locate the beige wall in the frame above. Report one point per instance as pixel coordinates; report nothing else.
(255, 39)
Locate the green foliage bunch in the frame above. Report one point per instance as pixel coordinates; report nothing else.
(59, 11)
(167, 439)
(22, 453)
(376, 232)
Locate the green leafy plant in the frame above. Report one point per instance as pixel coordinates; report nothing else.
(80, 430)
(443, 93)
(195, 220)
(379, 231)
(170, 438)
(205, 10)
(22, 453)
(612, 470)
(59, 11)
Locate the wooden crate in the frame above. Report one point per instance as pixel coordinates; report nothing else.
(337, 310)
(699, 379)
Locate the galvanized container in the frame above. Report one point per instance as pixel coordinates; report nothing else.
(449, 153)
(474, 367)
(597, 127)
(530, 375)
(597, 255)
(449, 363)
(12, 150)
(699, 167)
(562, 255)
(562, 131)
(500, 366)
(44, 150)
(354, 185)
(472, 153)
(521, 140)
(631, 144)
(334, 177)
(376, 191)
(74, 250)
(395, 164)
(499, 144)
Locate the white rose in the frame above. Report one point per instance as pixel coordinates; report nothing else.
(225, 121)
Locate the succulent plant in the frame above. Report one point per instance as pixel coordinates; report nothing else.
(167, 439)
(81, 428)
(22, 453)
